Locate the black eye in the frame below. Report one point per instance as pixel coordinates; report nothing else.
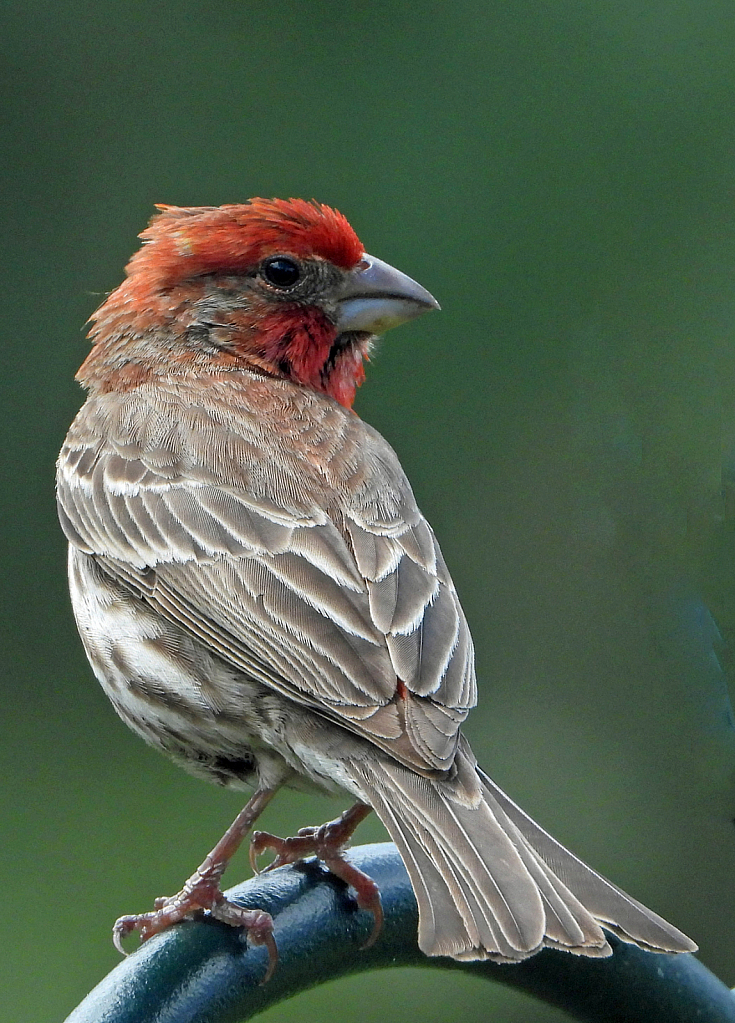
(281, 272)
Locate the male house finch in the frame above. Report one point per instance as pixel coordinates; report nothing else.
(261, 598)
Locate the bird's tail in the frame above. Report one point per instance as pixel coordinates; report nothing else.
(490, 883)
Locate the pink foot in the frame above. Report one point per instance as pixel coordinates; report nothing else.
(202, 893)
(197, 896)
(328, 843)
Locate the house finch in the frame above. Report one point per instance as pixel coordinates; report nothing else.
(261, 598)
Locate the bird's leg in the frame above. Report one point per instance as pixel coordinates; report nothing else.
(328, 843)
(202, 892)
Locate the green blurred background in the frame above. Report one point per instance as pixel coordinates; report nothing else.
(561, 175)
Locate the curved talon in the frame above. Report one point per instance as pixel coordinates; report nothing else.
(123, 926)
(270, 943)
(117, 936)
(261, 841)
(260, 932)
(253, 854)
(377, 910)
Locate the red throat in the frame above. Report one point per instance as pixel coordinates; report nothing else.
(301, 346)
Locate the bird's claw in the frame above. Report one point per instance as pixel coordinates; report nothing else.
(328, 843)
(189, 903)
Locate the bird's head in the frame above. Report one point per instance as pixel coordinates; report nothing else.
(281, 286)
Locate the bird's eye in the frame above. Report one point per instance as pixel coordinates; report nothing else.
(281, 272)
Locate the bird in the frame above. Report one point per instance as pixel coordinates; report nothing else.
(261, 598)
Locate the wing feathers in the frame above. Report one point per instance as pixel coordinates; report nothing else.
(255, 530)
(375, 555)
(326, 549)
(306, 563)
(439, 629)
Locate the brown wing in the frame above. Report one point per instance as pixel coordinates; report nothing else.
(302, 560)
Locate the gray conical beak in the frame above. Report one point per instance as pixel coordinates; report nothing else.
(376, 297)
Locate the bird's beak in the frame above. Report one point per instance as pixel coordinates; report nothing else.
(376, 297)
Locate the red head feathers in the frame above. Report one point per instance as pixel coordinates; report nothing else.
(186, 241)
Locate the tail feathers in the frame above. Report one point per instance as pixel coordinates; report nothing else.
(611, 906)
(466, 904)
(490, 883)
